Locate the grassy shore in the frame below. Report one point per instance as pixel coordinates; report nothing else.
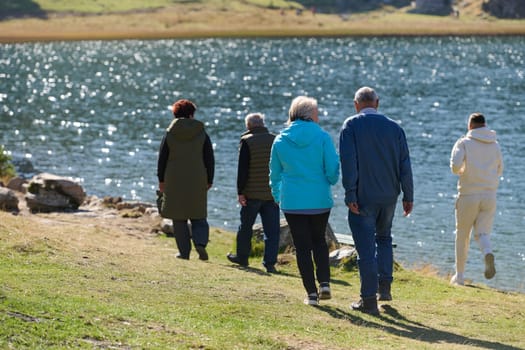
(242, 19)
(96, 280)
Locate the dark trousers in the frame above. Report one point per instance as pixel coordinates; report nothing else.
(269, 212)
(199, 233)
(308, 234)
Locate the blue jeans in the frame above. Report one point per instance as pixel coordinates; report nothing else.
(270, 219)
(199, 233)
(371, 231)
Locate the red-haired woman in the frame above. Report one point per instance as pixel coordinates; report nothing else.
(185, 170)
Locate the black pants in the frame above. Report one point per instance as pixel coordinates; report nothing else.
(308, 234)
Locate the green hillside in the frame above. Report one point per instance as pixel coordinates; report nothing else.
(44, 7)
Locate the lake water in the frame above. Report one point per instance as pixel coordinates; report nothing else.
(97, 111)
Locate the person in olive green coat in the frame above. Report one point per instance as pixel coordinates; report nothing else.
(185, 170)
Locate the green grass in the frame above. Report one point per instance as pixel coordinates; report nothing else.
(67, 282)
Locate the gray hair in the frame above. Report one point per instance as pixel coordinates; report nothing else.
(366, 94)
(253, 120)
(303, 108)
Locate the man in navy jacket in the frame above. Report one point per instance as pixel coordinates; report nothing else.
(375, 165)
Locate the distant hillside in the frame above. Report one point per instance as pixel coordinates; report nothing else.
(44, 8)
(505, 8)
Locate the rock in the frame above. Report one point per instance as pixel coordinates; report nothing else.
(17, 184)
(339, 256)
(8, 200)
(111, 202)
(140, 206)
(47, 193)
(285, 240)
(166, 226)
(505, 8)
(23, 166)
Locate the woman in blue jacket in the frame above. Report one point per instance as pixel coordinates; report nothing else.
(303, 167)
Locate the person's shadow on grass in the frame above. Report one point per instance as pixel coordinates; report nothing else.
(391, 321)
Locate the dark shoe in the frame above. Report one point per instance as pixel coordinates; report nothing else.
(237, 260)
(271, 269)
(203, 254)
(324, 291)
(490, 269)
(180, 256)
(368, 306)
(383, 292)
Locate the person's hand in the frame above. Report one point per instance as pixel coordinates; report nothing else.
(161, 187)
(407, 208)
(242, 199)
(354, 207)
(209, 186)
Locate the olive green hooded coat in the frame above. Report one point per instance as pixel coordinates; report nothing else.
(185, 178)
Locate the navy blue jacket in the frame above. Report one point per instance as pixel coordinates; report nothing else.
(375, 161)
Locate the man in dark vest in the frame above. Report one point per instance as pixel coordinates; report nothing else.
(254, 194)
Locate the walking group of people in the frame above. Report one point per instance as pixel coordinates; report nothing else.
(293, 172)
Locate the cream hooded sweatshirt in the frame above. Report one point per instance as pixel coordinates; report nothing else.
(477, 159)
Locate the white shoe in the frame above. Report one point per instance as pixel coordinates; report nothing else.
(455, 281)
(312, 299)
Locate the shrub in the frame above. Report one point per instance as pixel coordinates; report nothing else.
(7, 170)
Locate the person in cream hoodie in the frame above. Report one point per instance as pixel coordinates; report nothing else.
(476, 158)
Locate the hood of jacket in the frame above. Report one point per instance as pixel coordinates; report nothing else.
(185, 128)
(483, 134)
(301, 133)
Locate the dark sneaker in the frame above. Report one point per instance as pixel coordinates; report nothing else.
(237, 260)
(311, 299)
(490, 269)
(383, 292)
(324, 291)
(203, 254)
(368, 306)
(180, 256)
(271, 269)
(384, 296)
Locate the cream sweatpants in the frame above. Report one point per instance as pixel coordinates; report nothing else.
(474, 213)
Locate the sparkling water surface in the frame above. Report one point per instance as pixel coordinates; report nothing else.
(97, 111)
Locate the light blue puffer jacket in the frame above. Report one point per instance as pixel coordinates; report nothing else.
(303, 166)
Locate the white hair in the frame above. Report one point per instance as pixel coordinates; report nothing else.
(365, 94)
(253, 120)
(303, 108)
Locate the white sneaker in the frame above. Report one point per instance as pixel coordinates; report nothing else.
(455, 281)
(311, 299)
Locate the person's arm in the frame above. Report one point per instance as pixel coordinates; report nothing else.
(275, 175)
(457, 158)
(162, 161)
(331, 160)
(209, 160)
(500, 164)
(243, 166)
(407, 182)
(348, 156)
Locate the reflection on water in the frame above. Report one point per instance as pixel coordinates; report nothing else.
(97, 111)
